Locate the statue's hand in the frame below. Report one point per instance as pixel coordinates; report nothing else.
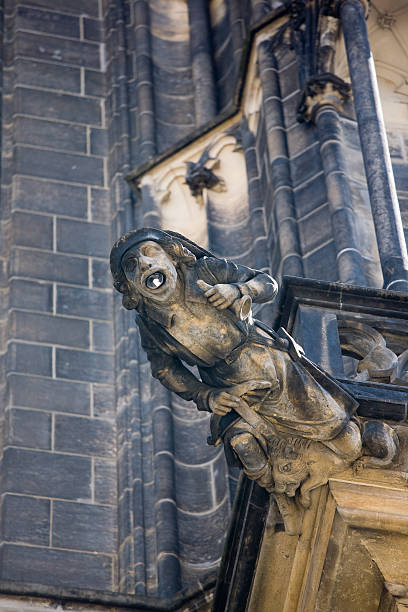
(221, 402)
(220, 296)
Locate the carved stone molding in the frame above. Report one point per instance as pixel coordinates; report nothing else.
(219, 214)
(236, 132)
(315, 47)
(386, 21)
(355, 526)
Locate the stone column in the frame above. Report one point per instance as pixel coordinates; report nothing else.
(380, 179)
(283, 200)
(255, 198)
(145, 80)
(237, 25)
(349, 260)
(202, 62)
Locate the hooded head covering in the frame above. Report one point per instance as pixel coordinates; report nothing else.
(133, 238)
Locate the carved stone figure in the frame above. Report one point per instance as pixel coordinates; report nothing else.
(288, 424)
(199, 176)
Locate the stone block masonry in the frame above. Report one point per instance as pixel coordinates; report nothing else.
(59, 461)
(80, 405)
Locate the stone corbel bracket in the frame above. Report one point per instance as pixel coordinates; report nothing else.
(322, 90)
(372, 505)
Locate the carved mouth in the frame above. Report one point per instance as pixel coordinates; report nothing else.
(154, 279)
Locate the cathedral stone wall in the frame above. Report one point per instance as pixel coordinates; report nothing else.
(59, 448)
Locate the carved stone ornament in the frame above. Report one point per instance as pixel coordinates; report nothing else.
(375, 361)
(321, 90)
(315, 47)
(288, 424)
(199, 176)
(386, 21)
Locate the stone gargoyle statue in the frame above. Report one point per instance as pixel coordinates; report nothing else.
(289, 425)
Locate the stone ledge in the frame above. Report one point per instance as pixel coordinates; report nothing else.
(46, 597)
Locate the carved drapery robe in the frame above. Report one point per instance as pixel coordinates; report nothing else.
(303, 401)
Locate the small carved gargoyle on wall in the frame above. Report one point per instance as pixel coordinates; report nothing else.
(289, 425)
(200, 177)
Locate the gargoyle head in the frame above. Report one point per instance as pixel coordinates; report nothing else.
(289, 471)
(144, 264)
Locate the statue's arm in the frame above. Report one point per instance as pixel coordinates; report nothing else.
(260, 286)
(176, 377)
(171, 372)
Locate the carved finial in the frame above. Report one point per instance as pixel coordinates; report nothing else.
(386, 21)
(199, 177)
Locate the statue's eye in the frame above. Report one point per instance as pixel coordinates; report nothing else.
(155, 280)
(286, 468)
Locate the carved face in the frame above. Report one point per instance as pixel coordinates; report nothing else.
(288, 474)
(150, 272)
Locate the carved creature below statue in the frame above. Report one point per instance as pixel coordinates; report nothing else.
(288, 424)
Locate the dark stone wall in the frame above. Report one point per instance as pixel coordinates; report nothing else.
(59, 447)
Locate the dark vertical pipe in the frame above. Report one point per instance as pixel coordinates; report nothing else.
(377, 161)
(283, 200)
(144, 79)
(202, 61)
(126, 202)
(349, 259)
